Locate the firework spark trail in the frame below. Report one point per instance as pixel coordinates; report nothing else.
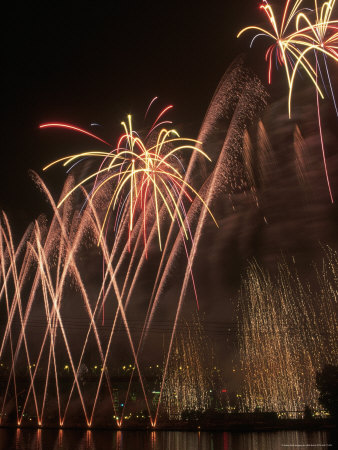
(156, 124)
(121, 256)
(188, 383)
(292, 49)
(17, 297)
(220, 106)
(10, 315)
(312, 37)
(72, 127)
(135, 277)
(52, 320)
(149, 315)
(319, 121)
(149, 163)
(47, 279)
(224, 165)
(133, 259)
(27, 313)
(10, 334)
(327, 276)
(103, 356)
(66, 234)
(152, 101)
(277, 35)
(217, 170)
(147, 320)
(124, 318)
(105, 294)
(59, 287)
(223, 174)
(34, 291)
(282, 333)
(323, 148)
(49, 329)
(164, 276)
(52, 346)
(152, 236)
(331, 87)
(6, 275)
(72, 263)
(146, 166)
(136, 361)
(119, 232)
(132, 348)
(178, 310)
(162, 213)
(319, 36)
(136, 235)
(14, 303)
(169, 233)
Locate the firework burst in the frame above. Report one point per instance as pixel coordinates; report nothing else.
(292, 49)
(278, 34)
(145, 177)
(317, 37)
(315, 33)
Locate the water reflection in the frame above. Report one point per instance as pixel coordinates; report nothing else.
(280, 440)
(25, 439)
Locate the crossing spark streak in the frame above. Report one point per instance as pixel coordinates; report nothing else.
(297, 49)
(144, 177)
(45, 281)
(277, 34)
(315, 34)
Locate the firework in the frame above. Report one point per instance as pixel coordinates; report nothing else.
(189, 385)
(44, 281)
(319, 36)
(288, 332)
(143, 176)
(277, 34)
(293, 50)
(37, 327)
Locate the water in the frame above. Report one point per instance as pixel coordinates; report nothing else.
(26, 439)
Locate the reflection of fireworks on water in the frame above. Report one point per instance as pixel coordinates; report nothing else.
(189, 385)
(288, 332)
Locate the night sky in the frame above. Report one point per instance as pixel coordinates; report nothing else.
(97, 62)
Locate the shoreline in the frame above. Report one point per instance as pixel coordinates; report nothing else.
(284, 425)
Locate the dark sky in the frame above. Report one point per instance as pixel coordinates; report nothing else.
(98, 61)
